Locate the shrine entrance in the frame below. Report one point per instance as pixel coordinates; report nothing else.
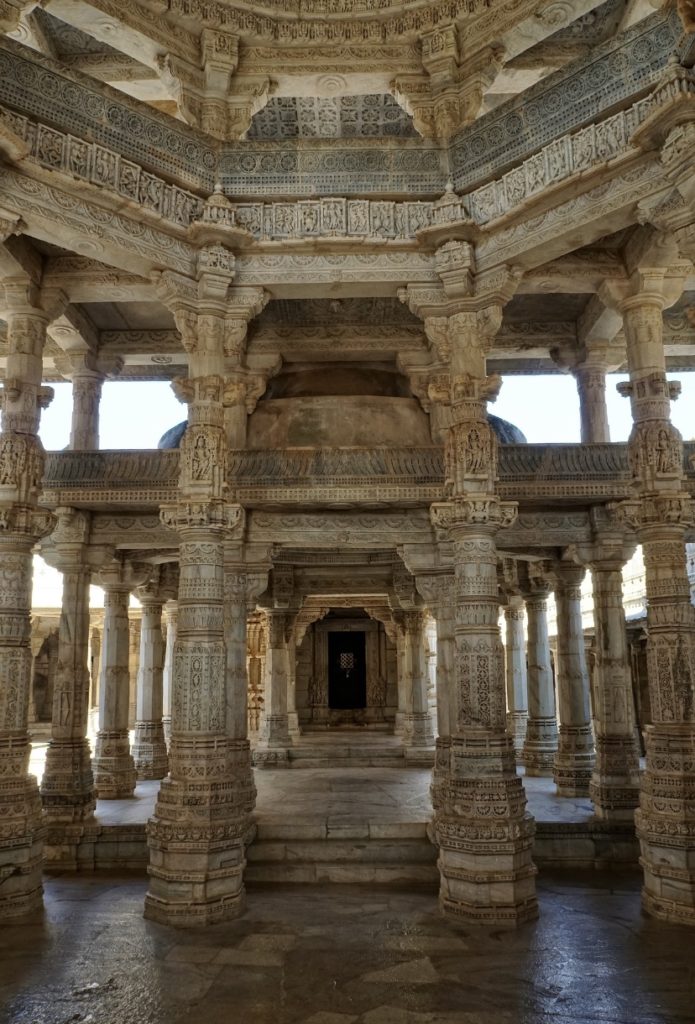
(347, 670)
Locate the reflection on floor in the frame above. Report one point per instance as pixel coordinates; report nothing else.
(346, 955)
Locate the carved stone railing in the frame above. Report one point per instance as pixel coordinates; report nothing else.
(558, 474)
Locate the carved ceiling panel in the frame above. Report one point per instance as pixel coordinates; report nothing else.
(336, 117)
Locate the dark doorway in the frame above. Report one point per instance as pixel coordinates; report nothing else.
(347, 671)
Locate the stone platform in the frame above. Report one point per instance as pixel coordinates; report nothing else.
(358, 825)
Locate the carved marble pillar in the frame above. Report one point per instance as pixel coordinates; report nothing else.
(614, 786)
(114, 770)
(487, 874)
(86, 396)
(660, 513)
(171, 620)
(515, 657)
(574, 760)
(540, 742)
(593, 411)
(438, 592)
(67, 788)
(200, 828)
(241, 590)
(149, 746)
(22, 524)
(417, 723)
(134, 627)
(275, 728)
(402, 670)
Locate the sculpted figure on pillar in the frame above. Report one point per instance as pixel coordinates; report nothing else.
(540, 743)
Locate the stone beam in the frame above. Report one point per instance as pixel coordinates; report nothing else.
(71, 220)
(133, 28)
(85, 280)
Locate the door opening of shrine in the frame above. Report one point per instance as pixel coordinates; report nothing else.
(347, 671)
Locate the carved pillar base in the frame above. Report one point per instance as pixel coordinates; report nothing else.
(516, 727)
(615, 783)
(197, 840)
(418, 731)
(21, 832)
(114, 771)
(485, 836)
(275, 732)
(574, 760)
(150, 751)
(540, 747)
(67, 787)
(665, 823)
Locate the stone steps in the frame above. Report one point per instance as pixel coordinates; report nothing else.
(397, 854)
(345, 755)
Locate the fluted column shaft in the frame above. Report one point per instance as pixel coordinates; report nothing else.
(615, 782)
(515, 655)
(67, 788)
(540, 743)
(149, 747)
(574, 761)
(114, 770)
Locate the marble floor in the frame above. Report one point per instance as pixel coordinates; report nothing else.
(346, 955)
(345, 795)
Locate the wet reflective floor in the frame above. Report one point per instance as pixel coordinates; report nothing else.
(347, 955)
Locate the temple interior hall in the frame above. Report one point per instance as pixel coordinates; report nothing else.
(347, 512)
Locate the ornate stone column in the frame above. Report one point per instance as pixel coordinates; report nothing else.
(275, 733)
(149, 746)
(418, 730)
(134, 641)
(200, 827)
(574, 760)
(486, 870)
(438, 592)
(661, 512)
(593, 411)
(540, 742)
(67, 788)
(22, 525)
(242, 587)
(171, 619)
(114, 770)
(614, 786)
(515, 657)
